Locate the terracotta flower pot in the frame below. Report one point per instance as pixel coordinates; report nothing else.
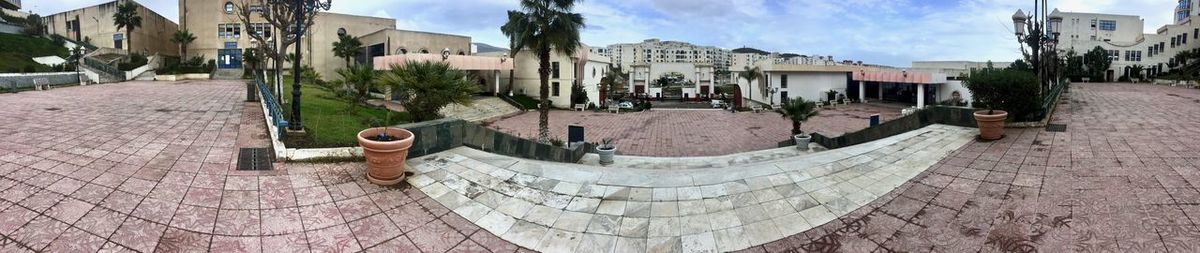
(385, 159)
(991, 126)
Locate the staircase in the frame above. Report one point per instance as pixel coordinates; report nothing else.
(483, 109)
(147, 76)
(99, 72)
(228, 74)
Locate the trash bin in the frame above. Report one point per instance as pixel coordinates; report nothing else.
(251, 94)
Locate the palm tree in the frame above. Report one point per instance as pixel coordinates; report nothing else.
(542, 26)
(127, 18)
(359, 79)
(425, 87)
(1135, 72)
(251, 57)
(183, 38)
(751, 74)
(799, 111)
(347, 47)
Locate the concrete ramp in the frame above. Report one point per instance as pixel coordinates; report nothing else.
(484, 108)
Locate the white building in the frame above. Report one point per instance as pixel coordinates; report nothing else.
(697, 80)
(658, 51)
(585, 67)
(1126, 42)
(812, 82)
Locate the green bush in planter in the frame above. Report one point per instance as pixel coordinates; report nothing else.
(1006, 89)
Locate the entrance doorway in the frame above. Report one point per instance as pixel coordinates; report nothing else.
(229, 58)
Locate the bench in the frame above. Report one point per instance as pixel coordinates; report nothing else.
(776, 107)
(614, 109)
(580, 107)
(756, 109)
(41, 84)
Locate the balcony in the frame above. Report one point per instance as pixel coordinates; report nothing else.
(10, 4)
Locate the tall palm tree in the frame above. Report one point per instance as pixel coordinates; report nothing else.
(543, 26)
(127, 18)
(799, 111)
(751, 74)
(347, 47)
(183, 38)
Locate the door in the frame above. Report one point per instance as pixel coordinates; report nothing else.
(784, 98)
(229, 58)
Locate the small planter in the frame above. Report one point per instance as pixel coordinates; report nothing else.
(385, 159)
(991, 126)
(606, 154)
(802, 141)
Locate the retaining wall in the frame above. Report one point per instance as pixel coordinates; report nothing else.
(21, 81)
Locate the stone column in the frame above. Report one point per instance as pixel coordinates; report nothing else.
(862, 91)
(496, 92)
(920, 95)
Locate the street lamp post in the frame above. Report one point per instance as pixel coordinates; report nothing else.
(301, 7)
(1043, 31)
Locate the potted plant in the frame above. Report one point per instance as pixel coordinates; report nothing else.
(607, 151)
(799, 111)
(999, 92)
(386, 149)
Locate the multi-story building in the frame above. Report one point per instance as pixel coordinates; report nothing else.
(585, 68)
(694, 80)
(658, 51)
(1122, 36)
(219, 36)
(95, 24)
(749, 57)
(10, 4)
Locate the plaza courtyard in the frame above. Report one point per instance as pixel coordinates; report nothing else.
(147, 166)
(686, 133)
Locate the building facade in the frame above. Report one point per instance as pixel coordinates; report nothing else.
(95, 24)
(693, 80)
(1122, 36)
(585, 67)
(658, 51)
(10, 4)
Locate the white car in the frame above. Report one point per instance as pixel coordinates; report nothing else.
(717, 103)
(625, 105)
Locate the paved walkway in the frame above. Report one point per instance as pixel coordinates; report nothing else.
(688, 133)
(555, 207)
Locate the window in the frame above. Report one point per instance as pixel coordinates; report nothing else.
(257, 9)
(1184, 39)
(1108, 25)
(261, 29)
(783, 82)
(229, 7)
(554, 72)
(554, 89)
(1093, 24)
(1173, 42)
(229, 31)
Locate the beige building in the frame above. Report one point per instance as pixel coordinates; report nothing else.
(220, 35)
(586, 67)
(95, 23)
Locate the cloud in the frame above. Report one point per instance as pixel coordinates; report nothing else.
(891, 32)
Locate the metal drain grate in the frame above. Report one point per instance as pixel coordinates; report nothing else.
(1058, 128)
(255, 159)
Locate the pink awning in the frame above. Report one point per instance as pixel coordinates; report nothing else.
(461, 62)
(888, 76)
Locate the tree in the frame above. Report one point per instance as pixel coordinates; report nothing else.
(1021, 65)
(1097, 63)
(578, 94)
(751, 74)
(799, 111)
(613, 81)
(34, 25)
(127, 18)
(251, 57)
(1005, 89)
(543, 26)
(1074, 68)
(359, 78)
(281, 16)
(1135, 72)
(347, 47)
(425, 87)
(183, 38)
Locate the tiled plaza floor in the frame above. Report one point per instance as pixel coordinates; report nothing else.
(1122, 178)
(687, 133)
(143, 166)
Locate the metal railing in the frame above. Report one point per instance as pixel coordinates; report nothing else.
(275, 111)
(109, 70)
(1051, 98)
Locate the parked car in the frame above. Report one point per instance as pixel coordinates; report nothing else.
(625, 105)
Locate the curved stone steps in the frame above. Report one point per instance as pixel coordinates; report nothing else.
(554, 207)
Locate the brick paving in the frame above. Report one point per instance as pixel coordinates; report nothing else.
(683, 133)
(1123, 178)
(145, 166)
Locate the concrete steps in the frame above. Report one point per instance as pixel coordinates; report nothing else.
(228, 74)
(483, 109)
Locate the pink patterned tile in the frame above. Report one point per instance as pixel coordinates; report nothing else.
(346, 190)
(312, 195)
(468, 246)
(356, 208)
(66, 186)
(239, 200)
(459, 223)
(39, 232)
(333, 239)
(101, 221)
(76, 240)
(387, 200)
(18, 192)
(155, 210)
(138, 234)
(435, 236)
(70, 210)
(205, 197)
(277, 198)
(281, 221)
(320, 216)
(410, 217)
(235, 244)
(137, 186)
(374, 230)
(241, 183)
(399, 244)
(274, 183)
(433, 206)
(121, 201)
(176, 240)
(210, 181)
(41, 201)
(493, 242)
(195, 218)
(238, 222)
(289, 243)
(169, 192)
(92, 193)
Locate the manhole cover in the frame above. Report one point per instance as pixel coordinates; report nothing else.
(1058, 128)
(255, 159)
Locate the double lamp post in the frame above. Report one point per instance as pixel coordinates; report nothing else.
(1044, 30)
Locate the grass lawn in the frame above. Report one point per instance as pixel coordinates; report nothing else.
(18, 50)
(329, 121)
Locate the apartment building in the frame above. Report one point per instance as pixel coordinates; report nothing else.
(1122, 36)
(659, 51)
(95, 24)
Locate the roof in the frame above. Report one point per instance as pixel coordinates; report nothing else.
(462, 62)
(485, 48)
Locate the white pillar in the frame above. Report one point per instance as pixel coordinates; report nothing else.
(880, 91)
(862, 91)
(496, 92)
(629, 86)
(920, 95)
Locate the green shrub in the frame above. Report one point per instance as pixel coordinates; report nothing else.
(29, 69)
(135, 61)
(1005, 89)
(527, 102)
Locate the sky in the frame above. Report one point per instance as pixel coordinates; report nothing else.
(888, 32)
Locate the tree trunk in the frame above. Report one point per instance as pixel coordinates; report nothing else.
(544, 94)
(796, 128)
(129, 39)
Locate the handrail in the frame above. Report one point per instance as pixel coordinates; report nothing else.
(272, 105)
(105, 68)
